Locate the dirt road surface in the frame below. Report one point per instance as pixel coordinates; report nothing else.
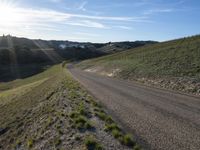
(160, 119)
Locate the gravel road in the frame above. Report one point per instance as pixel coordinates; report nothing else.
(160, 119)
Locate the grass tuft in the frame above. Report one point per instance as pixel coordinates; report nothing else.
(80, 122)
(127, 140)
(92, 144)
(116, 133)
(110, 127)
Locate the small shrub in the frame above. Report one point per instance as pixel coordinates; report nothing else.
(109, 120)
(116, 133)
(82, 122)
(127, 140)
(101, 115)
(88, 125)
(110, 127)
(92, 144)
(80, 119)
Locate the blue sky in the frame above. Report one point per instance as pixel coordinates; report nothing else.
(100, 20)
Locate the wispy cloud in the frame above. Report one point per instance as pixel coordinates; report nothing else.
(111, 18)
(87, 34)
(153, 11)
(30, 21)
(86, 23)
(124, 27)
(82, 6)
(56, 16)
(46, 16)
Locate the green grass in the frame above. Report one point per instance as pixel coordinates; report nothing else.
(23, 102)
(51, 71)
(27, 91)
(175, 58)
(8, 95)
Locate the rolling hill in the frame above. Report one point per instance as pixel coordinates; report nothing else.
(173, 64)
(22, 57)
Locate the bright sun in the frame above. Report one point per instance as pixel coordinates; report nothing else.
(9, 15)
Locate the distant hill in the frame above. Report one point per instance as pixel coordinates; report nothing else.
(21, 57)
(173, 64)
(22, 51)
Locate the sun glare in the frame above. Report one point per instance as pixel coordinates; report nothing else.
(9, 15)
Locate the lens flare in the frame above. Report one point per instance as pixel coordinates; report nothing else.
(9, 15)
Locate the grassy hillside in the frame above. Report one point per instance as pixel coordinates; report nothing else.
(52, 111)
(172, 59)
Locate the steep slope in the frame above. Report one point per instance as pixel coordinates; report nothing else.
(172, 64)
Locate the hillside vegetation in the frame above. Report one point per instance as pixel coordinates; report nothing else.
(172, 64)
